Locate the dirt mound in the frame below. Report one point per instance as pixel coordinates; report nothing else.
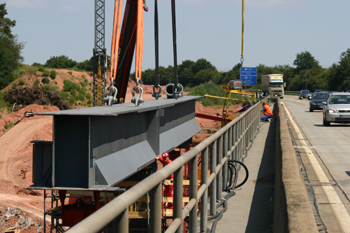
(25, 96)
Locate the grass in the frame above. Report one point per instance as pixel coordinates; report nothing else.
(21, 82)
(8, 125)
(50, 88)
(214, 90)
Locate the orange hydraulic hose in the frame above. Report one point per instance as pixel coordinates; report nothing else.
(115, 36)
(139, 41)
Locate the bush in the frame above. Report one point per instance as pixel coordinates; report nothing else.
(64, 94)
(88, 96)
(36, 84)
(82, 91)
(21, 72)
(50, 88)
(41, 69)
(70, 72)
(36, 64)
(8, 125)
(53, 74)
(14, 85)
(71, 100)
(84, 84)
(45, 80)
(81, 97)
(69, 85)
(21, 82)
(73, 92)
(45, 73)
(214, 90)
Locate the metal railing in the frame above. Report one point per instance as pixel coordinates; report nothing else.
(230, 142)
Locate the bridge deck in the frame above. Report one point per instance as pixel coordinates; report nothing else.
(251, 209)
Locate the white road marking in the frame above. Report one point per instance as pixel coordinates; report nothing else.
(338, 207)
(304, 147)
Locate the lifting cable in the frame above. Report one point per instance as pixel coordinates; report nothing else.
(138, 55)
(243, 11)
(156, 94)
(177, 88)
(111, 93)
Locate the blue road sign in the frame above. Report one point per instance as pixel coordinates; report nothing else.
(248, 76)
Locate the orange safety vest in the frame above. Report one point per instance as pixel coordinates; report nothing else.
(267, 111)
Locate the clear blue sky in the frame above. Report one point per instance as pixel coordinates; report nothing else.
(275, 30)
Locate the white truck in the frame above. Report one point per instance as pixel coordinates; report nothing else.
(273, 85)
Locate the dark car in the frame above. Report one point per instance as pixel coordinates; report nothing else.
(318, 90)
(317, 99)
(305, 94)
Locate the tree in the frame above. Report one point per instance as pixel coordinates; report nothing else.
(304, 61)
(10, 49)
(5, 23)
(60, 62)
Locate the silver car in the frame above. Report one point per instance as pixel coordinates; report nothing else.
(337, 108)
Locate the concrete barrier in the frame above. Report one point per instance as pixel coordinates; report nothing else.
(292, 208)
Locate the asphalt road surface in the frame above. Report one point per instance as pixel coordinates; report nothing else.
(323, 150)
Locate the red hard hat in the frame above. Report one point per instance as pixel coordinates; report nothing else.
(165, 154)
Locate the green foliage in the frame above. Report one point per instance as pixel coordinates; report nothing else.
(305, 61)
(5, 23)
(88, 96)
(71, 100)
(14, 85)
(81, 97)
(60, 62)
(84, 84)
(64, 94)
(41, 69)
(53, 74)
(2, 103)
(73, 92)
(214, 90)
(50, 88)
(8, 125)
(85, 65)
(21, 82)
(36, 84)
(45, 80)
(10, 58)
(37, 64)
(69, 86)
(82, 91)
(46, 73)
(70, 72)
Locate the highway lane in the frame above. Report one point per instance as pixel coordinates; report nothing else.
(331, 146)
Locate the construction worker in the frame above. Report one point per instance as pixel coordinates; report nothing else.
(164, 159)
(245, 107)
(267, 111)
